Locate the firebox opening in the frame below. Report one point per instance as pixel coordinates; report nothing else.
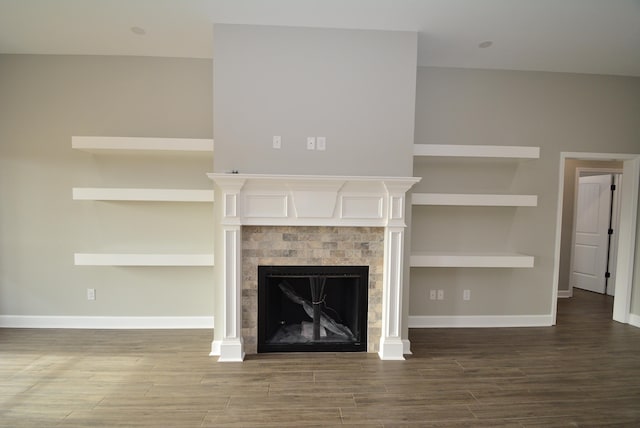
(312, 308)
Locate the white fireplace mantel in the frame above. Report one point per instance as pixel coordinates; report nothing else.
(311, 200)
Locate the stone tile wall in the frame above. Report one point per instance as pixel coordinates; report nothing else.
(311, 246)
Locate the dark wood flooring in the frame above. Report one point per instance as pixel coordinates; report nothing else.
(583, 372)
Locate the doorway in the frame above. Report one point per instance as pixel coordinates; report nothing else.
(595, 228)
(627, 230)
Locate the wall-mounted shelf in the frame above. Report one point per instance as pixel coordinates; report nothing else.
(143, 144)
(474, 200)
(149, 195)
(487, 260)
(476, 151)
(115, 259)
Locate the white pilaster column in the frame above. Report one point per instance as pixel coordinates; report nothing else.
(391, 344)
(232, 345)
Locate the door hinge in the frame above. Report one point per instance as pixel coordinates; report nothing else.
(610, 231)
(613, 187)
(607, 274)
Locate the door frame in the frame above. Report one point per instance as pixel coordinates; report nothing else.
(627, 230)
(615, 215)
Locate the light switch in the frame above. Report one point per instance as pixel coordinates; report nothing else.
(277, 141)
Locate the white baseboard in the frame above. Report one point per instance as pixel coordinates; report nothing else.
(480, 321)
(27, 321)
(565, 294)
(406, 347)
(215, 348)
(634, 320)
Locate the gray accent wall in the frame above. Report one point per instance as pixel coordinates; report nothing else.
(44, 101)
(556, 111)
(354, 87)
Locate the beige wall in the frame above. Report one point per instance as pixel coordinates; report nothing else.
(555, 111)
(568, 203)
(44, 100)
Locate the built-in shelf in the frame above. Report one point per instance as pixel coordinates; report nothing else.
(115, 259)
(143, 144)
(129, 194)
(471, 260)
(474, 200)
(476, 151)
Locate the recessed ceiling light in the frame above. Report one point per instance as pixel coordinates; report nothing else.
(485, 44)
(139, 31)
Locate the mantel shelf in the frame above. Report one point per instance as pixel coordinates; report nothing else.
(487, 200)
(476, 151)
(118, 259)
(471, 260)
(143, 144)
(148, 195)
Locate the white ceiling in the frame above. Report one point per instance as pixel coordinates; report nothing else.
(583, 36)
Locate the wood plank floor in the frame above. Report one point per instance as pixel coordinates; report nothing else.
(583, 372)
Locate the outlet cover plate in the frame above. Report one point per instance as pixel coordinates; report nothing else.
(311, 143)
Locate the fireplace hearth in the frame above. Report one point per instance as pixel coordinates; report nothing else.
(312, 308)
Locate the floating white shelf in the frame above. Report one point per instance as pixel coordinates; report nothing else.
(145, 144)
(475, 260)
(114, 259)
(521, 152)
(474, 200)
(128, 194)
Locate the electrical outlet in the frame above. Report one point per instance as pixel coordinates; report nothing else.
(466, 295)
(91, 294)
(311, 143)
(321, 143)
(277, 141)
(432, 294)
(440, 294)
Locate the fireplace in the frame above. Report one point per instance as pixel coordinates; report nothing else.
(305, 221)
(312, 308)
(308, 246)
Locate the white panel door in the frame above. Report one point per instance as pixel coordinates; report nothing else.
(591, 238)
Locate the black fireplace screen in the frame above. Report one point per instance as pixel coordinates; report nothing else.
(312, 308)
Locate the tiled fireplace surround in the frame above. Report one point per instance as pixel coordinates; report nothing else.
(314, 246)
(310, 220)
